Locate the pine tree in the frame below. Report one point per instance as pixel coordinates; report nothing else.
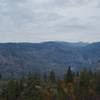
(68, 76)
(52, 77)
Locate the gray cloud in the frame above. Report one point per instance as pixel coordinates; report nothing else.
(43, 20)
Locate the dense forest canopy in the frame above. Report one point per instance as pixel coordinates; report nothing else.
(83, 85)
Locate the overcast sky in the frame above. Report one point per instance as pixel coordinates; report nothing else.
(46, 20)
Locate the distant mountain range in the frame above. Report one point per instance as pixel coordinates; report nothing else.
(22, 58)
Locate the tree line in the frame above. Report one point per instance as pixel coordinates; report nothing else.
(83, 85)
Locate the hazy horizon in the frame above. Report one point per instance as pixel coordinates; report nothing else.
(49, 20)
(52, 41)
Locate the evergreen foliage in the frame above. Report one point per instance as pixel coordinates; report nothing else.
(84, 85)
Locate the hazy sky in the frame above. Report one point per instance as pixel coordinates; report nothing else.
(45, 20)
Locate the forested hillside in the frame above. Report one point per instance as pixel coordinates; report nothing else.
(22, 58)
(84, 85)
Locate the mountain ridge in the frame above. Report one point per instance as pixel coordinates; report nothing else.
(21, 58)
